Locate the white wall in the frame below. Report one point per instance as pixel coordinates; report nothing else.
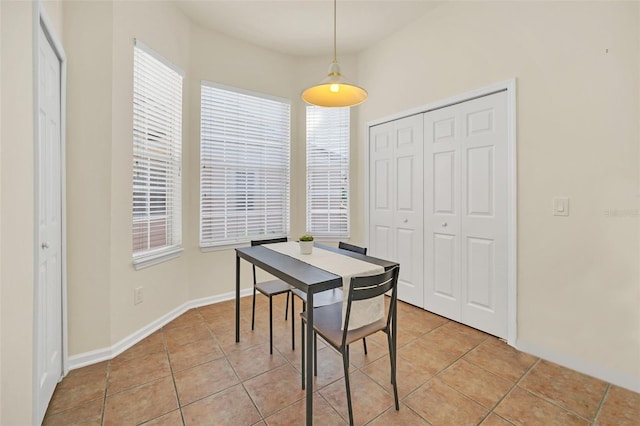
(16, 202)
(577, 136)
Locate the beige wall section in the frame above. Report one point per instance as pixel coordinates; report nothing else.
(55, 12)
(577, 118)
(88, 44)
(16, 202)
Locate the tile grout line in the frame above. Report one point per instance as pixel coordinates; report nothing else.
(173, 377)
(540, 396)
(601, 404)
(106, 387)
(515, 385)
(551, 401)
(240, 381)
(439, 373)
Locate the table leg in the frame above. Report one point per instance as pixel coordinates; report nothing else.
(310, 354)
(237, 298)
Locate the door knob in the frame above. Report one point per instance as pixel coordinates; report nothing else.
(406, 220)
(45, 246)
(444, 224)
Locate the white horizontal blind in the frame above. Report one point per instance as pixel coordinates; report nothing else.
(157, 155)
(244, 172)
(328, 171)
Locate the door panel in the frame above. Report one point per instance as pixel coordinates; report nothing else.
(396, 229)
(484, 222)
(406, 171)
(382, 183)
(465, 213)
(480, 273)
(408, 209)
(444, 271)
(444, 182)
(441, 219)
(381, 241)
(48, 294)
(480, 184)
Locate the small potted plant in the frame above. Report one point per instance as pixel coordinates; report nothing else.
(306, 244)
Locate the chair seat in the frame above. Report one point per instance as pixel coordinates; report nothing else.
(323, 298)
(327, 322)
(273, 287)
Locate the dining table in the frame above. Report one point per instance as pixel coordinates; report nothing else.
(304, 276)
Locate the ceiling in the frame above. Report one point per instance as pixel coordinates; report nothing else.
(305, 27)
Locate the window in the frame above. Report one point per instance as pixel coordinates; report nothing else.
(328, 171)
(157, 146)
(244, 170)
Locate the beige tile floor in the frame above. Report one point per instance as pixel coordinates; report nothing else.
(191, 372)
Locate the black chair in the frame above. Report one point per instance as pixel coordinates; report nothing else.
(272, 288)
(328, 297)
(327, 322)
(351, 247)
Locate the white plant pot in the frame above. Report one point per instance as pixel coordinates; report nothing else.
(306, 247)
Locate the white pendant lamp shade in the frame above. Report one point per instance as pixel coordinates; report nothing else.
(334, 90)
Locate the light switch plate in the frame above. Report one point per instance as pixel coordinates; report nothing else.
(561, 206)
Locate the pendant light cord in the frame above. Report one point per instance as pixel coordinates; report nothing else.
(335, 54)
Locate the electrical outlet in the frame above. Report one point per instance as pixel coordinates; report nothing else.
(137, 295)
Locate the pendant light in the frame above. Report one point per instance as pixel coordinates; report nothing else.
(334, 90)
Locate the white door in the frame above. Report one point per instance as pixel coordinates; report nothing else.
(48, 292)
(396, 225)
(466, 213)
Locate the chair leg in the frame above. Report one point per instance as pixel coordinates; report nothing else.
(364, 343)
(392, 357)
(315, 354)
(345, 361)
(293, 322)
(253, 309)
(286, 308)
(302, 344)
(271, 325)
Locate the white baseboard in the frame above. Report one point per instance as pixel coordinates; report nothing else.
(614, 377)
(104, 354)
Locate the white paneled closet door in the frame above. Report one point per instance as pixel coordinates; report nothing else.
(48, 289)
(466, 212)
(396, 201)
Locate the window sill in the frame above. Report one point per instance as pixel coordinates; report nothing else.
(331, 238)
(145, 261)
(221, 247)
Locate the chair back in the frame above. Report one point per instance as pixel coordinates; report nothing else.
(269, 241)
(368, 287)
(261, 242)
(351, 247)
